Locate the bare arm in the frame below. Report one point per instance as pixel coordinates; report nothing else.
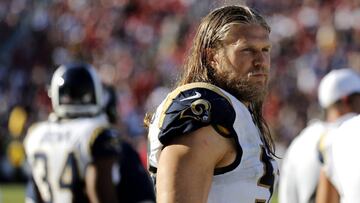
(99, 184)
(326, 192)
(186, 166)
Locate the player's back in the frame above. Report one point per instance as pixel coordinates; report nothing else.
(58, 153)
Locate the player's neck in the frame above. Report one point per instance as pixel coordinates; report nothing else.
(334, 114)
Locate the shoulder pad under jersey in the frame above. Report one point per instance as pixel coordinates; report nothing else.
(30, 133)
(105, 142)
(193, 106)
(32, 127)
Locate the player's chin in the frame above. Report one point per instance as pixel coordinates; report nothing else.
(259, 81)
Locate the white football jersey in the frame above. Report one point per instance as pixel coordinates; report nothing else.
(301, 166)
(252, 176)
(341, 165)
(58, 152)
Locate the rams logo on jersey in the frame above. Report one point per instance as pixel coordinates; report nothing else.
(198, 110)
(193, 106)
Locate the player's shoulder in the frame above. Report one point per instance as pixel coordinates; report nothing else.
(310, 135)
(347, 131)
(103, 132)
(315, 128)
(200, 85)
(194, 91)
(351, 123)
(35, 130)
(105, 141)
(86, 130)
(334, 126)
(36, 126)
(192, 106)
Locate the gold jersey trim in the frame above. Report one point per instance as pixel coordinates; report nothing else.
(97, 131)
(182, 88)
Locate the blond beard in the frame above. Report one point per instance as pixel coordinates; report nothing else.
(241, 88)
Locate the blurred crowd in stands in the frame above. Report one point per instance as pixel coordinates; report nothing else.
(138, 47)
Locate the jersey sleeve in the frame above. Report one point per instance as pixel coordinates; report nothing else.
(187, 110)
(105, 143)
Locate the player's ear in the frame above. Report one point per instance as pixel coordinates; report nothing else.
(212, 57)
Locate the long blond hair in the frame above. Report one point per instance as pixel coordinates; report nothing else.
(209, 35)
